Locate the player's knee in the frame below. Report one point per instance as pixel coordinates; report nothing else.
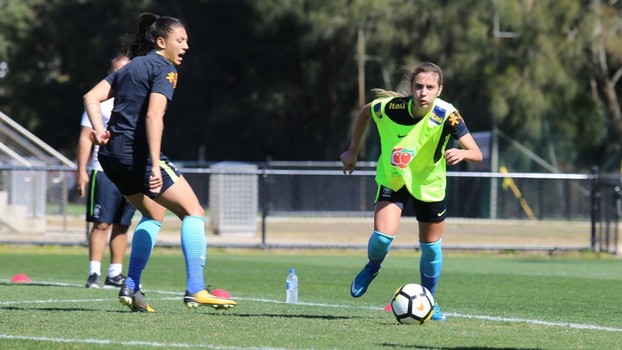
(118, 229)
(101, 226)
(194, 210)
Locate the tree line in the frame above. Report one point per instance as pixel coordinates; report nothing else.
(285, 79)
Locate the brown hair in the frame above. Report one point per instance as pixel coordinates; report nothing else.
(118, 57)
(409, 73)
(150, 28)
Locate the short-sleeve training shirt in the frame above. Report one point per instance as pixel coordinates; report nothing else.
(132, 86)
(106, 109)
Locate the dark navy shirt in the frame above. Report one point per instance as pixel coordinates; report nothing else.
(132, 85)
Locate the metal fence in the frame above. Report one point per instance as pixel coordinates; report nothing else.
(39, 199)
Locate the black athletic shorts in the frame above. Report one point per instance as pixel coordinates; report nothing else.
(424, 211)
(104, 202)
(133, 178)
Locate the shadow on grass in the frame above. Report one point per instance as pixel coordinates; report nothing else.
(402, 346)
(311, 317)
(70, 309)
(61, 309)
(39, 284)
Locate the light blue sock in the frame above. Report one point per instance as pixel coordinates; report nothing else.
(142, 245)
(194, 246)
(430, 264)
(377, 249)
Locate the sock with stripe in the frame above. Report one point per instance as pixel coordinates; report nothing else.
(142, 245)
(430, 264)
(377, 249)
(194, 247)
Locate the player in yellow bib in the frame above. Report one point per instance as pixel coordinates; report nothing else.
(414, 131)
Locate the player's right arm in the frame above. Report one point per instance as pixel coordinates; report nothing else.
(348, 158)
(85, 146)
(92, 103)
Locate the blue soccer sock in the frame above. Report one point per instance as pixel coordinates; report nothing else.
(378, 248)
(430, 264)
(194, 246)
(142, 245)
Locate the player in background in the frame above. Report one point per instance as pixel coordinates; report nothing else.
(106, 208)
(414, 130)
(130, 155)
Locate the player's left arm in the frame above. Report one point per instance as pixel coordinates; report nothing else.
(469, 150)
(154, 124)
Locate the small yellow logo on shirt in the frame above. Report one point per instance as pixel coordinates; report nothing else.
(435, 119)
(455, 118)
(172, 78)
(400, 105)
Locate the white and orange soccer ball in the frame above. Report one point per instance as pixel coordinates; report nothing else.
(412, 303)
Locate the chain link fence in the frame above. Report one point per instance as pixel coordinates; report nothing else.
(294, 204)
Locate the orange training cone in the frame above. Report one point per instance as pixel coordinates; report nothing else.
(388, 308)
(20, 278)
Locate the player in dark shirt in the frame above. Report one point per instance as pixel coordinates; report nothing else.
(130, 155)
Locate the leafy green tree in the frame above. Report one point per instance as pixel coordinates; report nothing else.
(15, 24)
(554, 86)
(280, 79)
(603, 27)
(57, 50)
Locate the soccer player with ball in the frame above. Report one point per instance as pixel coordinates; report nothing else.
(414, 130)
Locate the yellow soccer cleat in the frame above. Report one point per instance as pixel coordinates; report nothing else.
(204, 298)
(135, 301)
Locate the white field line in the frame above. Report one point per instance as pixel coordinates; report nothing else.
(209, 346)
(538, 322)
(131, 343)
(375, 308)
(478, 317)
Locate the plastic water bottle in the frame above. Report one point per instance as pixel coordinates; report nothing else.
(291, 287)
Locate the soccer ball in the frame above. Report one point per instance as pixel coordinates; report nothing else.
(412, 303)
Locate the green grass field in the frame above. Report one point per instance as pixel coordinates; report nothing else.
(503, 301)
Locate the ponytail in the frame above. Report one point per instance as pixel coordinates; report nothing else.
(150, 28)
(380, 93)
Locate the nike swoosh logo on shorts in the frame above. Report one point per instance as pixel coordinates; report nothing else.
(441, 213)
